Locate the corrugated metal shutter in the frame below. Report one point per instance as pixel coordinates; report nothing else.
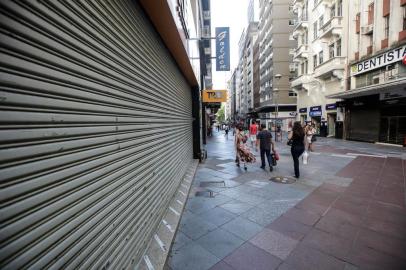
(95, 133)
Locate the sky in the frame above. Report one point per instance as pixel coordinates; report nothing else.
(231, 13)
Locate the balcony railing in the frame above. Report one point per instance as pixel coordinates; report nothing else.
(332, 27)
(328, 68)
(299, 81)
(302, 51)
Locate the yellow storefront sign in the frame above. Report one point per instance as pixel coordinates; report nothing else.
(214, 95)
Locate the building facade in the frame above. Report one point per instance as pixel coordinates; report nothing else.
(246, 71)
(321, 56)
(277, 105)
(89, 115)
(375, 103)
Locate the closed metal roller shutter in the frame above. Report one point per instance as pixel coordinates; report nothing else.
(95, 133)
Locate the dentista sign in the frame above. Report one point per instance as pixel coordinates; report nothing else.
(379, 61)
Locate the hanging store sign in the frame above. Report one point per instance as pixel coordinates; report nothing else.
(303, 110)
(315, 111)
(222, 48)
(393, 94)
(214, 95)
(381, 60)
(331, 106)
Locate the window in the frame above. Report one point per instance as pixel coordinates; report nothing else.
(292, 94)
(321, 21)
(306, 67)
(338, 45)
(315, 2)
(292, 22)
(302, 68)
(371, 14)
(340, 8)
(404, 17)
(357, 23)
(386, 25)
(315, 30)
(321, 58)
(333, 11)
(306, 36)
(314, 61)
(331, 51)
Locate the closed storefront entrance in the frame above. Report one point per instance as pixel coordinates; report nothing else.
(393, 121)
(96, 133)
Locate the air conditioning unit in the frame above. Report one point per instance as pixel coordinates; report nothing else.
(366, 30)
(206, 14)
(206, 32)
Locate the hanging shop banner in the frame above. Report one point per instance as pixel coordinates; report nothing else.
(222, 48)
(331, 106)
(214, 95)
(381, 60)
(303, 110)
(315, 111)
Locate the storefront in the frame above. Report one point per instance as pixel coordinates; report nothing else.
(375, 107)
(331, 110)
(303, 115)
(316, 114)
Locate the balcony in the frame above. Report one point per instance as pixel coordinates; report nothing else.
(327, 3)
(367, 30)
(332, 27)
(301, 25)
(298, 83)
(333, 67)
(302, 51)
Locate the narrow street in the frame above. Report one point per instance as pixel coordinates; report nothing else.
(347, 211)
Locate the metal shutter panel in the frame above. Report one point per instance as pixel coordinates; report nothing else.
(95, 134)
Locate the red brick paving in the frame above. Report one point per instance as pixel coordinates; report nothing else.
(363, 225)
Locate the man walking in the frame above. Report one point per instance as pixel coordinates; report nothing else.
(253, 134)
(264, 139)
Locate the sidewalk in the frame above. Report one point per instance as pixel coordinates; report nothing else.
(345, 212)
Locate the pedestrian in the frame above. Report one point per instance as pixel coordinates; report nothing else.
(296, 140)
(278, 134)
(309, 132)
(264, 139)
(243, 153)
(226, 129)
(253, 134)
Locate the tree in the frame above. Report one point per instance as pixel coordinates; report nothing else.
(220, 114)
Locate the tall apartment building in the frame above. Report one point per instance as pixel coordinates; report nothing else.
(253, 11)
(277, 102)
(375, 104)
(322, 35)
(246, 68)
(231, 100)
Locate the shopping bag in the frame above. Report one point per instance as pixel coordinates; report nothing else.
(274, 163)
(276, 155)
(305, 157)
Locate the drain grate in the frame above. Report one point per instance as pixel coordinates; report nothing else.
(283, 179)
(204, 193)
(212, 184)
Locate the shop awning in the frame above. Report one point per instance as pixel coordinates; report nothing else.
(371, 89)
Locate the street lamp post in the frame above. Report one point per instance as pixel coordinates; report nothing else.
(274, 91)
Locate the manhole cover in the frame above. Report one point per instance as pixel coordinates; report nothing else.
(283, 179)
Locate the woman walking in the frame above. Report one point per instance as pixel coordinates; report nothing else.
(296, 137)
(243, 153)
